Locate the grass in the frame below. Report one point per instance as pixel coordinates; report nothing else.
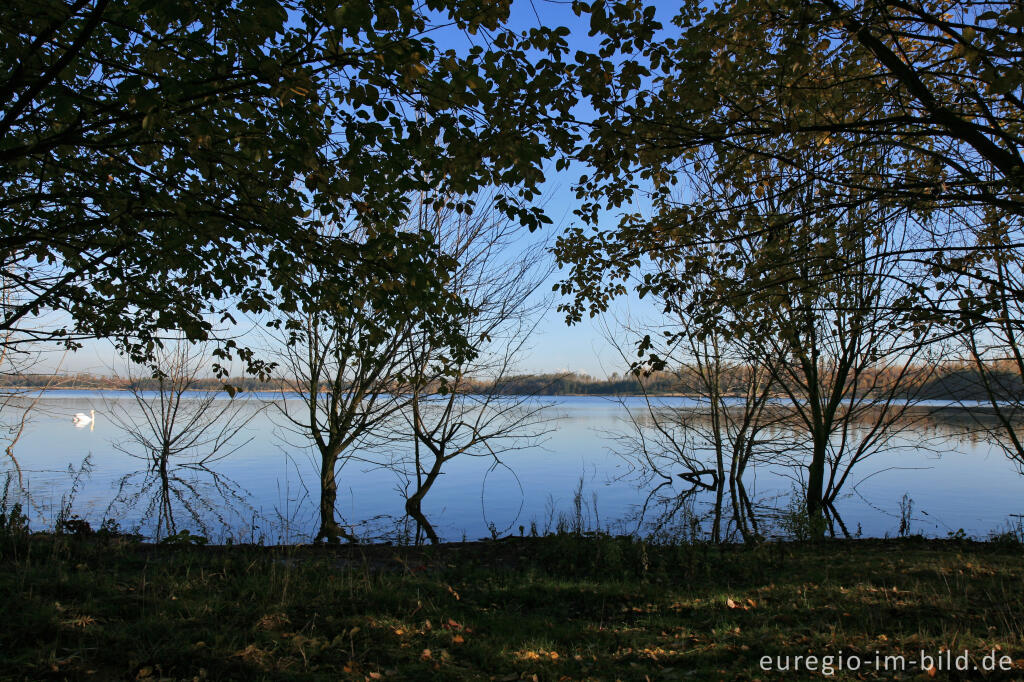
(558, 607)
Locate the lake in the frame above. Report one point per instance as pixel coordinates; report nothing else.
(266, 490)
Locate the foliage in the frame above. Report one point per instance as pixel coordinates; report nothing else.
(907, 113)
(168, 165)
(802, 182)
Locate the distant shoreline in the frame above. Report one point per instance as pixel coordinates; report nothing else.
(952, 385)
(576, 394)
(953, 404)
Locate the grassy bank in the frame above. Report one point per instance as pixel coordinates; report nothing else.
(549, 608)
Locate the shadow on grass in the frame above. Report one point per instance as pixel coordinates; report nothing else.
(558, 607)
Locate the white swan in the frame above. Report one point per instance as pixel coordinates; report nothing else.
(82, 419)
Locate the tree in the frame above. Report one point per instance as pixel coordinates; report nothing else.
(179, 430)
(992, 345)
(160, 162)
(713, 444)
(178, 419)
(821, 152)
(931, 89)
(346, 355)
(848, 365)
(457, 409)
(17, 357)
(828, 294)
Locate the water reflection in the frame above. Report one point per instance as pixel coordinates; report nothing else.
(953, 472)
(163, 500)
(693, 463)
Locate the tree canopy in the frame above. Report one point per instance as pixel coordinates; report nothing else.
(780, 97)
(166, 165)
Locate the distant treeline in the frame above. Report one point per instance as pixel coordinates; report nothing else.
(957, 382)
(571, 383)
(954, 382)
(965, 383)
(87, 381)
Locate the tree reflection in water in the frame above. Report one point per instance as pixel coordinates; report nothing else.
(671, 456)
(179, 430)
(163, 500)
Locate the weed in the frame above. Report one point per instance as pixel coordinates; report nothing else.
(67, 500)
(184, 538)
(796, 523)
(906, 515)
(74, 526)
(13, 521)
(110, 528)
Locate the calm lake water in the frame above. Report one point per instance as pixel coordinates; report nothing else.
(267, 491)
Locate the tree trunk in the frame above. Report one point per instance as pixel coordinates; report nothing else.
(412, 508)
(412, 505)
(330, 531)
(816, 487)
